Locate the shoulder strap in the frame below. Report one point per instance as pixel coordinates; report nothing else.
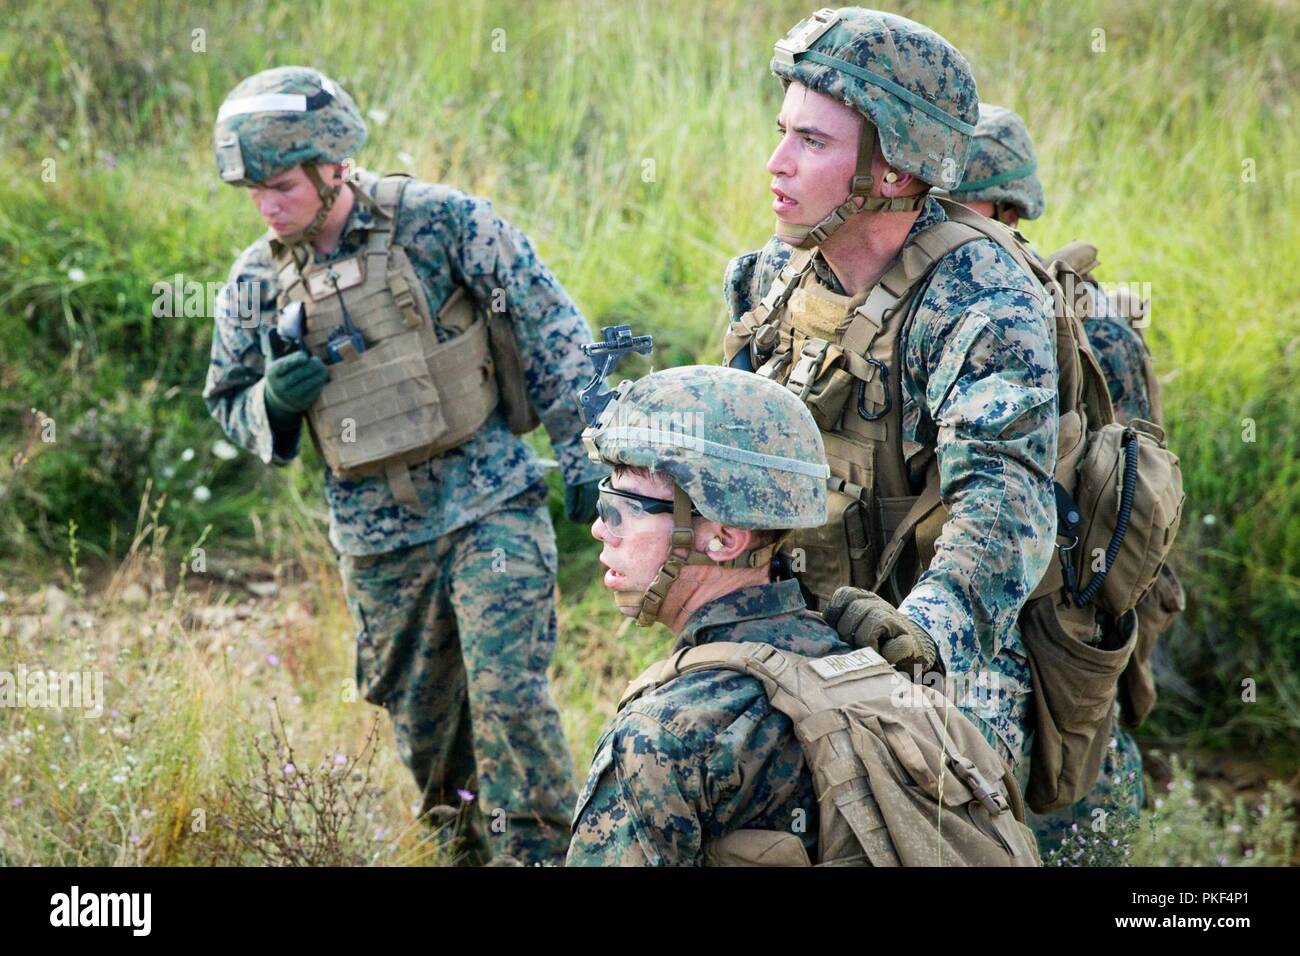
(748, 325)
(995, 231)
(387, 207)
(720, 655)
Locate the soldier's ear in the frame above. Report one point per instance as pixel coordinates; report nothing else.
(730, 542)
(895, 182)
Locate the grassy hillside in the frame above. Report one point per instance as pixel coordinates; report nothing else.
(628, 140)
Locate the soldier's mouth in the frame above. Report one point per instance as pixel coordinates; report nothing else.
(612, 577)
(782, 204)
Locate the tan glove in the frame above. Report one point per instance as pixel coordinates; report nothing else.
(864, 619)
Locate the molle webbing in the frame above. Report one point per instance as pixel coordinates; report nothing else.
(407, 396)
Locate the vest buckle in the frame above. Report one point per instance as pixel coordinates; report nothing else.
(806, 370)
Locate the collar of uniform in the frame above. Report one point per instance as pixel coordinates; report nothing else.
(746, 604)
(931, 213)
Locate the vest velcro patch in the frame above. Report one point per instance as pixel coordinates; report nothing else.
(346, 273)
(818, 315)
(837, 665)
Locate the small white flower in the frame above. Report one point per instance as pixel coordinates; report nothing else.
(202, 494)
(223, 450)
(1209, 519)
(406, 159)
(76, 275)
(379, 116)
(187, 454)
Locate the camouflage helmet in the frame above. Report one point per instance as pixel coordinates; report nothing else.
(744, 449)
(740, 449)
(280, 118)
(909, 82)
(1002, 167)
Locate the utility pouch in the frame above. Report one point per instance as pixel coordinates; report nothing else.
(1075, 685)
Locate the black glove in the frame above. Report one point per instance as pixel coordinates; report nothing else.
(864, 619)
(580, 501)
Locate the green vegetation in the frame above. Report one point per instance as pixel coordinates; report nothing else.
(628, 140)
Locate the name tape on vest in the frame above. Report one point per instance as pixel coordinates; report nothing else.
(836, 665)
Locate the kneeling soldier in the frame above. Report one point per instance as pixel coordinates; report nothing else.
(764, 738)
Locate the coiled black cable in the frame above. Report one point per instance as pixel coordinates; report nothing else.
(1082, 598)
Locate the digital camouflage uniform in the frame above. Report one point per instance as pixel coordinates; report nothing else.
(455, 606)
(984, 395)
(706, 753)
(1002, 169)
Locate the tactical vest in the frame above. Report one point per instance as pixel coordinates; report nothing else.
(842, 356)
(901, 777)
(403, 396)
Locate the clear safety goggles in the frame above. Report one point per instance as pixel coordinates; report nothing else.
(616, 507)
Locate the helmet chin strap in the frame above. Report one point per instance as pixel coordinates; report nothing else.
(328, 194)
(648, 603)
(806, 237)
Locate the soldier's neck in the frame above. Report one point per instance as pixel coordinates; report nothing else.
(689, 593)
(332, 231)
(864, 247)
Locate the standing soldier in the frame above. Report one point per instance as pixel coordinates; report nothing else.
(1001, 182)
(418, 334)
(924, 350)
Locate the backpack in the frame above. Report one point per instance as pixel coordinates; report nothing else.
(1166, 599)
(901, 777)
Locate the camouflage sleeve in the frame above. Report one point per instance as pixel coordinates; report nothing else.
(984, 366)
(638, 807)
(738, 285)
(749, 276)
(501, 266)
(235, 390)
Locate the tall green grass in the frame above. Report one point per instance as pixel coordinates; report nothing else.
(629, 141)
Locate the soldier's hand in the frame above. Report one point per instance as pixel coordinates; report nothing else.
(580, 501)
(864, 619)
(293, 382)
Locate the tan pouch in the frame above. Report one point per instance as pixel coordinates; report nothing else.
(1156, 612)
(756, 848)
(1153, 519)
(827, 397)
(511, 386)
(835, 553)
(1074, 694)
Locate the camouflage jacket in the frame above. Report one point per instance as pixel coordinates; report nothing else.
(452, 239)
(979, 386)
(704, 754)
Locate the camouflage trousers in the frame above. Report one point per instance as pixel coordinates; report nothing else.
(1110, 808)
(454, 641)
